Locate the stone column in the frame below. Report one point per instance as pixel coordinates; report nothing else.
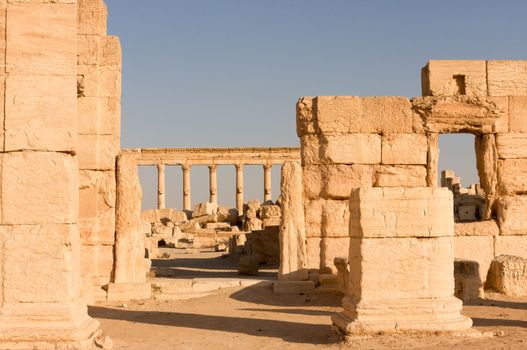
(213, 184)
(40, 303)
(239, 188)
(161, 186)
(293, 255)
(187, 205)
(268, 195)
(401, 262)
(130, 263)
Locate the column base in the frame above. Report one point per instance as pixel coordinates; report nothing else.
(129, 291)
(442, 314)
(44, 326)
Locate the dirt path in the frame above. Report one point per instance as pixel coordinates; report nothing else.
(255, 318)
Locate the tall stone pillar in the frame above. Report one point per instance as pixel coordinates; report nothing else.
(40, 304)
(401, 262)
(213, 183)
(161, 186)
(268, 195)
(239, 188)
(187, 205)
(131, 265)
(98, 117)
(293, 255)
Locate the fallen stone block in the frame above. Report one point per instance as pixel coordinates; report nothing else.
(508, 275)
(204, 209)
(467, 280)
(270, 211)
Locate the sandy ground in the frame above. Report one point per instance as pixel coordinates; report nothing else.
(255, 318)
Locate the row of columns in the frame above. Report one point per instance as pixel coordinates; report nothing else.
(213, 185)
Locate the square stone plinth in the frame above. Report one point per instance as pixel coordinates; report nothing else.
(401, 262)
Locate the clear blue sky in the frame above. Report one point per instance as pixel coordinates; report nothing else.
(228, 72)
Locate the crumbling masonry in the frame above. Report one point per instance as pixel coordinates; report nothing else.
(366, 191)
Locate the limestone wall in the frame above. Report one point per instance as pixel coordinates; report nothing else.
(350, 142)
(40, 305)
(98, 92)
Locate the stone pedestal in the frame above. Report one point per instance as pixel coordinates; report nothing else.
(401, 262)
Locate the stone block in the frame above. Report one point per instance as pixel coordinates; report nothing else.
(88, 115)
(305, 117)
(129, 291)
(466, 212)
(508, 275)
(335, 181)
(401, 212)
(40, 112)
(88, 76)
(467, 281)
(92, 17)
(111, 54)
(511, 245)
(327, 218)
(513, 145)
(477, 228)
(451, 77)
(460, 113)
(97, 261)
(293, 287)
(43, 255)
(270, 211)
(313, 248)
(48, 45)
(97, 152)
(164, 216)
(109, 118)
(109, 83)
(341, 149)
(97, 190)
(353, 114)
(507, 78)
(475, 248)
(512, 211)
(512, 176)
(88, 49)
(37, 197)
(382, 270)
(400, 176)
(518, 114)
(204, 209)
(404, 149)
(330, 248)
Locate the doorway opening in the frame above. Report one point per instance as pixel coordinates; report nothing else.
(458, 172)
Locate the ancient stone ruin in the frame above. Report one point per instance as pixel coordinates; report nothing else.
(361, 209)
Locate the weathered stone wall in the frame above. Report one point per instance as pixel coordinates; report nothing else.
(350, 142)
(40, 304)
(98, 91)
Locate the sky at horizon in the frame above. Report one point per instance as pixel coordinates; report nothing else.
(227, 73)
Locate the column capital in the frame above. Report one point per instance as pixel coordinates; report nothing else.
(238, 166)
(212, 167)
(186, 167)
(267, 166)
